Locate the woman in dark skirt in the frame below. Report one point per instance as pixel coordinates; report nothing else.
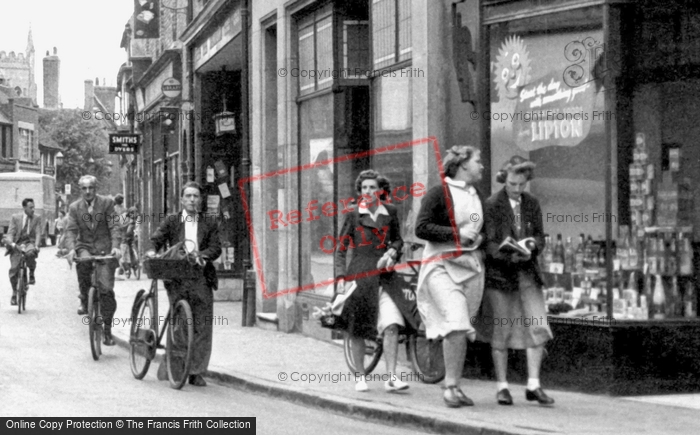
(513, 314)
(371, 234)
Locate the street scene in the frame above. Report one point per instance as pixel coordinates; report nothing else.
(386, 216)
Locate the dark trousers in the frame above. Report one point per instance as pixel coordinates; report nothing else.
(30, 256)
(105, 285)
(201, 300)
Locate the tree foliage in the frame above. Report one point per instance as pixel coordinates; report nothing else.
(81, 141)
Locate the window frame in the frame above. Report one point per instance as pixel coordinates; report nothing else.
(401, 57)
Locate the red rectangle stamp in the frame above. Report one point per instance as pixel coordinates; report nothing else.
(314, 210)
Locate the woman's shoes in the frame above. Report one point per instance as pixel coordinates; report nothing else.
(395, 385)
(454, 398)
(538, 395)
(361, 385)
(503, 397)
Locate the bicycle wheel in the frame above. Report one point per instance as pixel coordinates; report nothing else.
(373, 352)
(179, 344)
(143, 336)
(95, 323)
(21, 289)
(426, 357)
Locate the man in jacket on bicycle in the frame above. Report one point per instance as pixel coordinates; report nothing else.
(24, 235)
(93, 230)
(192, 225)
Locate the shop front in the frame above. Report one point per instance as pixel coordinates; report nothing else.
(601, 96)
(214, 153)
(157, 119)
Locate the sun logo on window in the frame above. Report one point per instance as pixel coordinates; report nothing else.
(512, 68)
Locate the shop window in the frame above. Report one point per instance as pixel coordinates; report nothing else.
(355, 48)
(6, 142)
(391, 32)
(26, 139)
(316, 50)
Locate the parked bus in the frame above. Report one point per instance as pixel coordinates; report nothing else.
(15, 186)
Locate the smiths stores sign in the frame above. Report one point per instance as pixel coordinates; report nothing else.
(124, 143)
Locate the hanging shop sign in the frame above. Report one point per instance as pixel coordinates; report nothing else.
(124, 143)
(171, 87)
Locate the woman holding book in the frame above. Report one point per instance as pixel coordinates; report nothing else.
(513, 314)
(451, 280)
(371, 232)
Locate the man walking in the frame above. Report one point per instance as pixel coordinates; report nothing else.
(24, 235)
(192, 225)
(91, 231)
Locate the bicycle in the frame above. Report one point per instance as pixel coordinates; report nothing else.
(144, 337)
(425, 355)
(22, 282)
(95, 321)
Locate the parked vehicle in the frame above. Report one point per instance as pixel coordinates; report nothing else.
(15, 186)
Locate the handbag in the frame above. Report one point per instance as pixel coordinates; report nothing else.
(327, 319)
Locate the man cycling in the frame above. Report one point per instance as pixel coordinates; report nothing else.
(24, 235)
(91, 231)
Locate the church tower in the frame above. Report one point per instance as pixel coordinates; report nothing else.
(31, 56)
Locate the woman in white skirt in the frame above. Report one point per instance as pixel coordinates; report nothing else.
(451, 282)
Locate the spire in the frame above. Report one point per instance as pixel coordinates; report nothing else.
(30, 40)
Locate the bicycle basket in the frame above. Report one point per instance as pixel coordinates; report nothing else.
(158, 268)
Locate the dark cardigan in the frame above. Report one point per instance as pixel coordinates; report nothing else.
(501, 273)
(433, 222)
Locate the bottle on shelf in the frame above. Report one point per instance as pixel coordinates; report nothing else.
(633, 257)
(601, 256)
(558, 256)
(674, 306)
(579, 254)
(659, 298)
(569, 260)
(685, 256)
(661, 254)
(591, 255)
(671, 257)
(547, 254)
(650, 255)
(690, 301)
(623, 248)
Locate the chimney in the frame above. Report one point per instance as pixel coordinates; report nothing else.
(89, 94)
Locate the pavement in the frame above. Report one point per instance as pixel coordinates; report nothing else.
(313, 373)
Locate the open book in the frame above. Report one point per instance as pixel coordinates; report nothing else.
(524, 246)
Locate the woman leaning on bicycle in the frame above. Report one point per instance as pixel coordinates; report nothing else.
(369, 309)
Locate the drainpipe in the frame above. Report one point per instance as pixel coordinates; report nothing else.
(248, 305)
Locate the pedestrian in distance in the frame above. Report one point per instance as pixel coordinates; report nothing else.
(92, 230)
(60, 229)
(371, 234)
(513, 281)
(24, 235)
(451, 282)
(190, 224)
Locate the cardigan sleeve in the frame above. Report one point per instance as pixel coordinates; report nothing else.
(395, 233)
(344, 239)
(493, 222)
(430, 223)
